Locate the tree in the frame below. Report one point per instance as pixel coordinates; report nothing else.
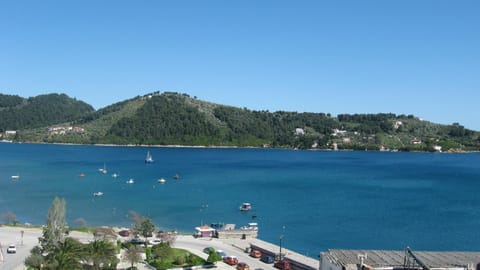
(213, 257)
(133, 255)
(35, 260)
(66, 255)
(145, 228)
(101, 254)
(162, 251)
(81, 222)
(9, 217)
(54, 230)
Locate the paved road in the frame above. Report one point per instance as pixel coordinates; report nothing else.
(196, 246)
(12, 235)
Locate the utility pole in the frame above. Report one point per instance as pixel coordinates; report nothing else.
(280, 256)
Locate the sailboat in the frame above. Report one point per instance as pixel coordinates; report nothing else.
(149, 158)
(104, 169)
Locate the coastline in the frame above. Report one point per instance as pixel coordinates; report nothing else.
(237, 147)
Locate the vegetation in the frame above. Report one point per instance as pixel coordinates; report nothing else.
(40, 111)
(146, 228)
(59, 252)
(178, 119)
(164, 257)
(213, 257)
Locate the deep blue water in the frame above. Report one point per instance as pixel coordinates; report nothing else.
(317, 200)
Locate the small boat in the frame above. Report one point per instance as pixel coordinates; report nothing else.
(104, 169)
(245, 206)
(130, 181)
(149, 158)
(176, 177)
(99, 193)
(15, 177)
(114, 175)
(81, 175)
(161, 180)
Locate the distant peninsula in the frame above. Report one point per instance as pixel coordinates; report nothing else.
(169, 118)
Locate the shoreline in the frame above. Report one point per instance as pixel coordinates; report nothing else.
(235, 147)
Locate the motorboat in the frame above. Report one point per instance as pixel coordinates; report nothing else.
(15, 177)
(99, 193)
(130, 181)
(115, 175)
(161, 180)
(245, 206)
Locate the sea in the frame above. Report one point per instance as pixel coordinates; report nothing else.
(312, 201)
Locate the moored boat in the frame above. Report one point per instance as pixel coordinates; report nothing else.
(149, 158)
(99, 193)
(245, 206)
(161, 180)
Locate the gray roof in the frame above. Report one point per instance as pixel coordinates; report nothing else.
(378, 258)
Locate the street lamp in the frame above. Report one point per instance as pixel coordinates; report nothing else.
(281, 238)
(280, 256)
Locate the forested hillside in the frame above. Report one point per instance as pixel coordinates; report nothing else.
(18, 113)
(178, 119)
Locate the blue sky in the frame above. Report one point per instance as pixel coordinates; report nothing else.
(405, 57)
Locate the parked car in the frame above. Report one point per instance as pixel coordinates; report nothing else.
(255, 253)
(231, 260)
(12, 249)
(208, 250)
(124, 233)
(283, 265)
(137, 241)
(221, 253)
(155, 241)
(267, 259)
(243, 266)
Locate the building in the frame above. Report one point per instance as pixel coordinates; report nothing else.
(336, 259)
(204, 231)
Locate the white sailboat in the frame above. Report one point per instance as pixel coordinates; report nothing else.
(104, 169)
(149, 158)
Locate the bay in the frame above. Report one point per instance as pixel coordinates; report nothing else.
(316, 200)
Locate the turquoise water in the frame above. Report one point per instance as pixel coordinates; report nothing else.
(317, 200)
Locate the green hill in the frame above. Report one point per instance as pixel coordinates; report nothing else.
(18, 113)
(178, 119)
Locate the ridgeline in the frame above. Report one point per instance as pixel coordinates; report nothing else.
(177, 119)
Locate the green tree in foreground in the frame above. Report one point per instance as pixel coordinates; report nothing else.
(145, 228)
(213, 257)
(162, 251)
(54, 230)
(133, 255)
(35, 260)
(66, 256)
(101, 254)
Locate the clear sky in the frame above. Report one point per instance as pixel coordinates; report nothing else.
(416, 57)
